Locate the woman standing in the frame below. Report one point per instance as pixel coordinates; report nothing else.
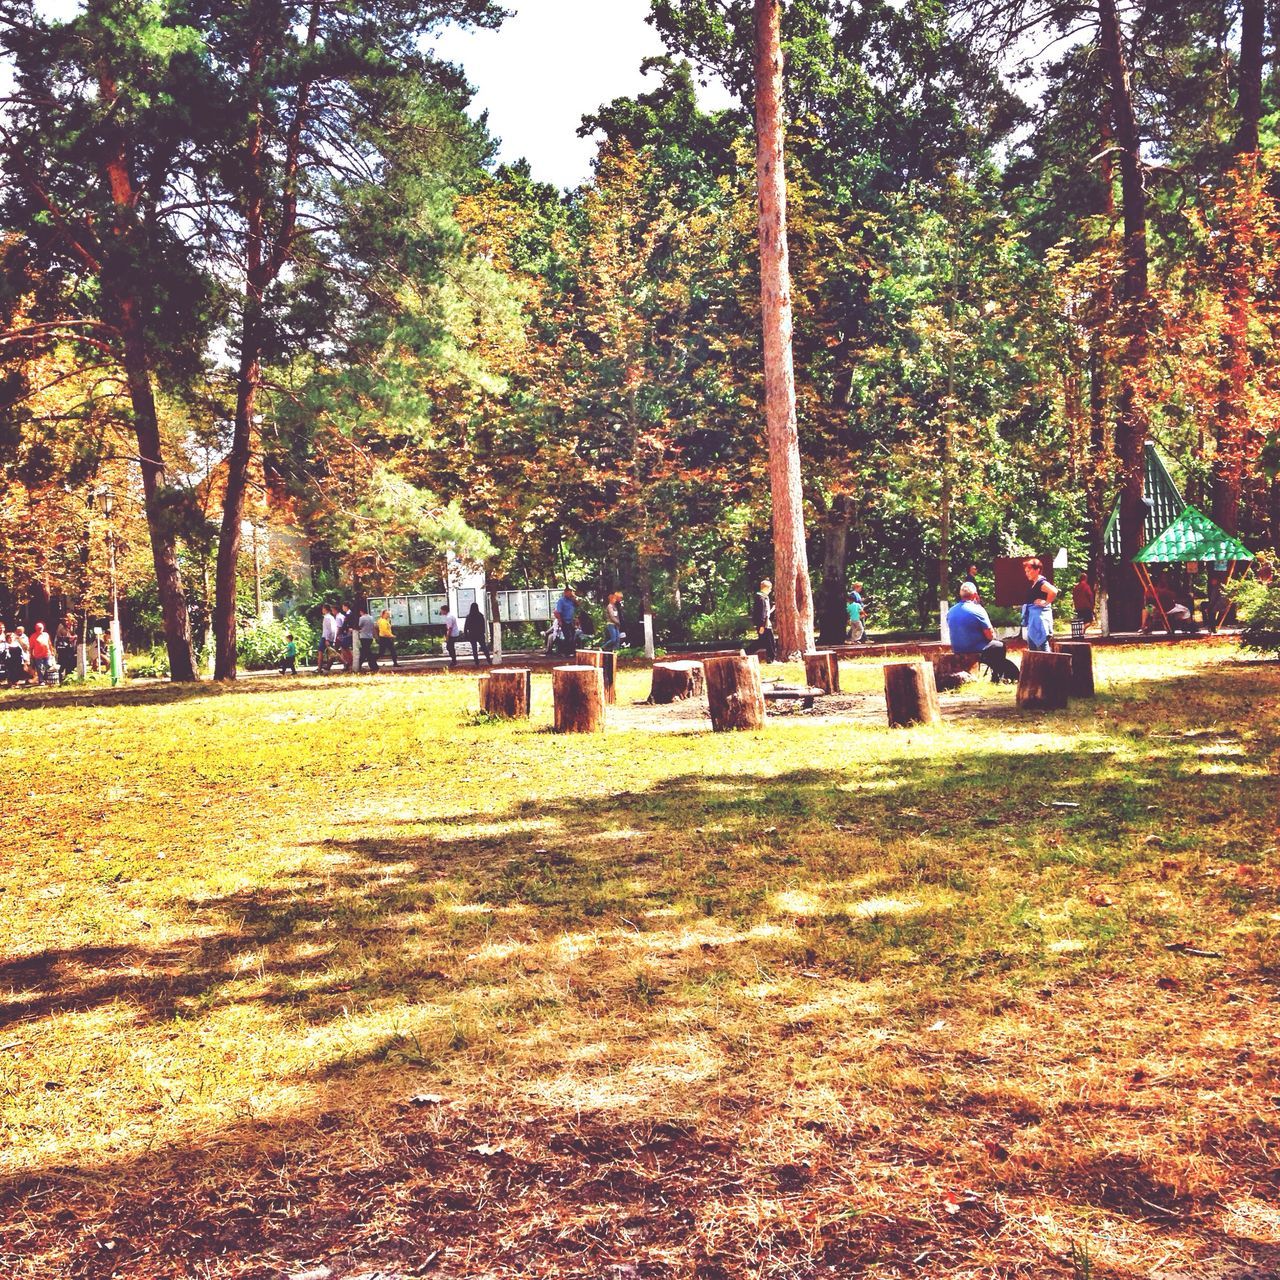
(387, 638)
(1037, 612)
(613, 621)
(64, 645)
(474, 633)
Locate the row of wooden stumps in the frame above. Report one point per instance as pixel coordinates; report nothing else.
(580, 691)
(731, 683)
(1046, 682)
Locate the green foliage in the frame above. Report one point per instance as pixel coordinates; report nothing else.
(1258, 605)
(261, 647)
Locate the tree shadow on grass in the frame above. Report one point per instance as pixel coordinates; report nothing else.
(673, 885)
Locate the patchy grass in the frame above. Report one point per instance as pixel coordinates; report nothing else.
(825, 1000)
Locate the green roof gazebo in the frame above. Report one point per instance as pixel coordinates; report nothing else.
(1191, 536)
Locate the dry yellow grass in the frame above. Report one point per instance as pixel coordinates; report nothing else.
(826, 1000)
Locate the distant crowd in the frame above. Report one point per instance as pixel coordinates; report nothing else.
(38, 658)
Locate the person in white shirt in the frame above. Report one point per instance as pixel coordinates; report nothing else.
(328, 638)
(452, 630)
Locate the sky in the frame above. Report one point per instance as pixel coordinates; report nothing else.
(551, 63)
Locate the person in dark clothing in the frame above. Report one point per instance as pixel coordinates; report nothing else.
(64, 644)
(475, 633)
(762, 620)
(1083, 600)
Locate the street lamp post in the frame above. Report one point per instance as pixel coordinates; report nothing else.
(115, 648)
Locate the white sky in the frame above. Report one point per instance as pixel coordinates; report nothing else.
(548, 65)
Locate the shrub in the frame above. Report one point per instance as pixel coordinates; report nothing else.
(1258, 606)
(259, 648)
(152, 665)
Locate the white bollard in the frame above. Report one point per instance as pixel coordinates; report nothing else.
(497, 642)
(648, 636)
(355, 652)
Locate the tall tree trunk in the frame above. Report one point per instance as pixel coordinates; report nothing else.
(947, 459)
(792, 591)
(265, 257)
(1135, 318)
(164, 552)
(1232, 424)
(833, 615)
(1249, 95)
(1101, 462)
(119, 289)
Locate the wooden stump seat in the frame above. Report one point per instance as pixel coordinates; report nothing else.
(578, 693)
(507, 692)
(675, 680)
(910, 694)
(734, 693)
(1081, 655)
(822, 670)
(1044, 683)
(607, 661)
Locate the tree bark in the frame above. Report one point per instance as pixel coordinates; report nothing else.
(607, 661)
(579, 699)
(673, 681)
(735, 697)
(910, 694)
(1044, 683)
(1232, 423)
(832, 612)
(116, 276)
(265, 257)
(250, 375)
(1081, 655)
(1135, 318)
(822, 671)
(506, 692)
(793, 594)
(1253, 21)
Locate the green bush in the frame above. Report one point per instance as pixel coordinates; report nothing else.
(152, 665)
(259, 648)
(1258, 607)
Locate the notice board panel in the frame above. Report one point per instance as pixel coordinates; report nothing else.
(1011, 581)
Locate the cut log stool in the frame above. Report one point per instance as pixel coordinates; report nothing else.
(506, 692)
(1081, 655)
(822, 670)
(734, 694)
(952, 664)
(578, 693)
(1045, 681)
(607, 661)
(910, 694)
(675, 680)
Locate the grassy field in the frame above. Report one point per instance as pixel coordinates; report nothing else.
(333, 974)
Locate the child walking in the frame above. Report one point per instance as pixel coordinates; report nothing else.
(290, 660)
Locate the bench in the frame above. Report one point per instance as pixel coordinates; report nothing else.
(803, 694)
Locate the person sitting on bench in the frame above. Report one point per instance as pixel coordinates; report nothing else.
(972, 633)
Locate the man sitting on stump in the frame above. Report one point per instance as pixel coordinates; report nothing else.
(972, 633)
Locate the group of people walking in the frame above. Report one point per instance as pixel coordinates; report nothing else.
(340, 628)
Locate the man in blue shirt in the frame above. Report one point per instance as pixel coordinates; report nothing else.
(567, 614)
(971, 632)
